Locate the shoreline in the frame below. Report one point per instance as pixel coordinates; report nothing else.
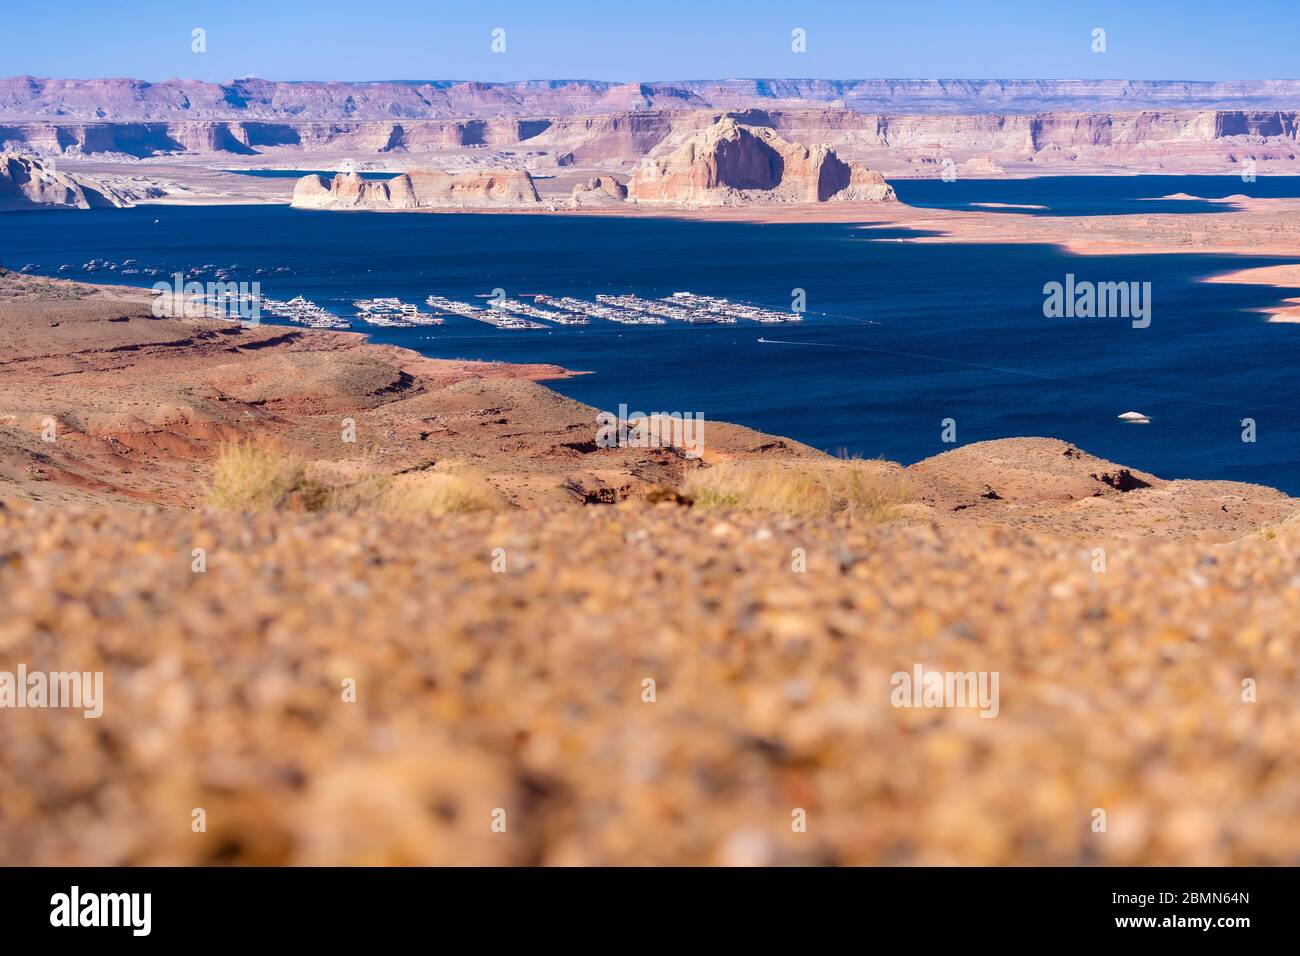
(975, 227)
(420, 409)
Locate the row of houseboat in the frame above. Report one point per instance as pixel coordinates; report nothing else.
(516, 314)
(394, 313)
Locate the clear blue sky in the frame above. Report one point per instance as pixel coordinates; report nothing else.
(652, 39)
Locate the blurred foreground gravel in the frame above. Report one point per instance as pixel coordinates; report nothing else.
(522, 691)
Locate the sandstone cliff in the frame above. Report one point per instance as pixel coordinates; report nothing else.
(28, 98)
(895, 144)
(418, 189)
(26, 182)
(732, 163)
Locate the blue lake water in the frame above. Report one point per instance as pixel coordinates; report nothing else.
(898, 336)
(1093, 195)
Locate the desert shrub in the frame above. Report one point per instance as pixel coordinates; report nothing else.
(445, 490)
(256, 477)
(865, 490)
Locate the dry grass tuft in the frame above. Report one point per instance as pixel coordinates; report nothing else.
(449, 488)
(255, 477)
(862, 490)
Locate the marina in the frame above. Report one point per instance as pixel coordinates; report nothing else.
(496, 317)
(301, 311)
(669, 309)
(550, 315)
(394, 313)
(595, 310)
(726, 311)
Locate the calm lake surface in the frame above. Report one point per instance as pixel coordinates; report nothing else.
(1092, 195)
(897, 336)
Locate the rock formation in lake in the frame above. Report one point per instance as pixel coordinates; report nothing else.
(731, 163)
(598, 191)
(418, 189)
(27, 182)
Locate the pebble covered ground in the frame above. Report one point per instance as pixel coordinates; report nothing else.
(500, 713)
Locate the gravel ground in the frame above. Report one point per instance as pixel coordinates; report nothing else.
(515, 696)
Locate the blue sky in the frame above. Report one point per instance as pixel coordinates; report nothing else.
(652, 39)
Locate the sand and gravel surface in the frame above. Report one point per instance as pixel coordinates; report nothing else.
(479, 690)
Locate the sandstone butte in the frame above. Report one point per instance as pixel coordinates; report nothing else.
(732, 163)
(729, 163)
(598, 191)
(418, 189)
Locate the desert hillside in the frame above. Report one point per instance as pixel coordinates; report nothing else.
(139, 407)
(362, 653)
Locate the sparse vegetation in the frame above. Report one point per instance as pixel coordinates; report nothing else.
(258, 477)
(863, 490)
(255, 477)
(16, 286)
(449, 488)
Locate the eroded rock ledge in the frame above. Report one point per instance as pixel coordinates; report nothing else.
(418, 189)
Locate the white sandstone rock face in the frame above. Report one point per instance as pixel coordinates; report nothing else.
(418, 189)
(27, 182)
(731, 163)
(601, 191)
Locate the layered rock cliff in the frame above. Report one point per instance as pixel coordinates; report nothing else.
(732, 163)
(1206, 139)
(27, 182)
(418, 189)
(29, 98)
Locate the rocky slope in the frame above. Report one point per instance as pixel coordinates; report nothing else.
(418, 189)
(27, 182)
(735, 163)
(641, 685)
